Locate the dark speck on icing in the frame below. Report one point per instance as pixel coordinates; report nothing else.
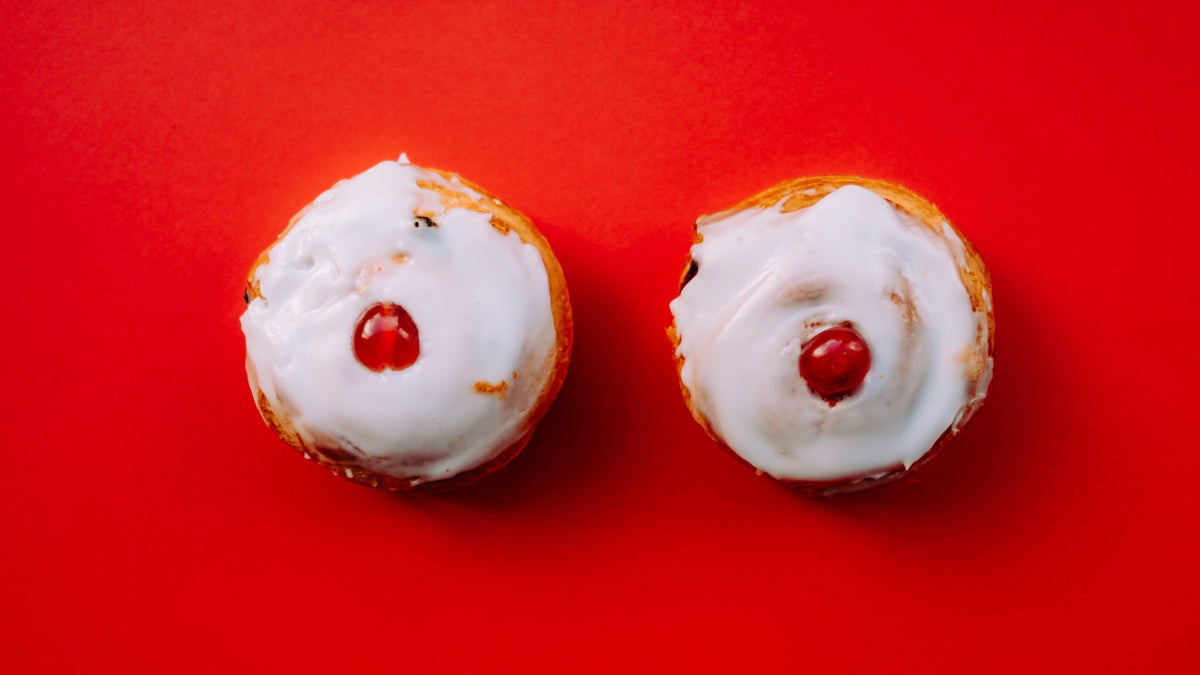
(693, 268)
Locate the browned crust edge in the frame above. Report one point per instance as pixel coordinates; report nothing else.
(504, 219)
(802, 193)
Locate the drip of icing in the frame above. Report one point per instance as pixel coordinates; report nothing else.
(481, 299)
(767, 282)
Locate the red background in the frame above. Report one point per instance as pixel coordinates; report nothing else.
(152, 522)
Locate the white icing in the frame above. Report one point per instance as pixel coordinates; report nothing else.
(768, 281)
(480, 300)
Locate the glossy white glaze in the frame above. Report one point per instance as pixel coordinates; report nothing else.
(768, 281)
(480, 300)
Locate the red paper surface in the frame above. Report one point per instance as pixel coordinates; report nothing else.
(152, 523)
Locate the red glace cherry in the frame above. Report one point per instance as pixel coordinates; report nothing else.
(386, 337)
(835, 362)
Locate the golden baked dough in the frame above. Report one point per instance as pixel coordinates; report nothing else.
(794, 195)
(504, 219)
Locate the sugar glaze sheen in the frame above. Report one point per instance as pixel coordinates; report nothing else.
(471, 273)
(808, 256)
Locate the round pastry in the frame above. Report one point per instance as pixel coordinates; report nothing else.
(833, 332)
(407, 330)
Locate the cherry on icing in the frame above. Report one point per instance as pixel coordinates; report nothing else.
(835, 362)
(386, 338)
